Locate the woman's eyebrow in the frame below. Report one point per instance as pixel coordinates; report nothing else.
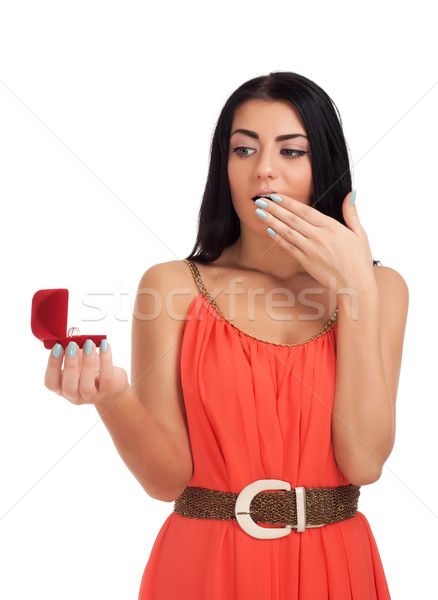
(279, 138)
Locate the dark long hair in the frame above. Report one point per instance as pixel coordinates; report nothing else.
(218, 223)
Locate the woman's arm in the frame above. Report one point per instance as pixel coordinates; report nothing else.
(148, 424)
(149, 453)
(370, 333)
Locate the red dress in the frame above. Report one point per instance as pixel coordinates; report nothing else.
(259, 410)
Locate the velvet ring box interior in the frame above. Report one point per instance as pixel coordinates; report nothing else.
(49, 320)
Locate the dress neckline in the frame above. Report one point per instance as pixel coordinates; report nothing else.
(211, 302)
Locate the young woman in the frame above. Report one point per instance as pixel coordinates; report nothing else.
(265, 368)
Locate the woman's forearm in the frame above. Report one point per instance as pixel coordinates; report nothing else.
(363, 420)
(154, 459)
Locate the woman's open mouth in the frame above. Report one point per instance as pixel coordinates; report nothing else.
(261, 196)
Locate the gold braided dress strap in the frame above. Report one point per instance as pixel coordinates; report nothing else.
(197, 276)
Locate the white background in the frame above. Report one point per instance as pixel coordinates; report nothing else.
(106, 114)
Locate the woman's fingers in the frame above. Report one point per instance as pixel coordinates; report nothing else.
(88, 377)
(87, 374)
(113, 381)
(52, 379)
(106, 369)
(70, 376)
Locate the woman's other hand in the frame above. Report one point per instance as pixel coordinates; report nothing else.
(338, 257)
(86, 378)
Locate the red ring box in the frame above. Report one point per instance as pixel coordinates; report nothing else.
(49, 320)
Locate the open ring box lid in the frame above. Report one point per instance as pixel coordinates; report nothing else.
(49, 320)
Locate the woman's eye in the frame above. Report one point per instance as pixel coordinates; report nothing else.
(243, 151)
(291, 153)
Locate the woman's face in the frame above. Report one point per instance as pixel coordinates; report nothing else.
(269, 152)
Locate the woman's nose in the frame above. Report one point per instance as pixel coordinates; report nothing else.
(266, 166)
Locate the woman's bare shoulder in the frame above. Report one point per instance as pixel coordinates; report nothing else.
(169, 285)
(389, 277)
(167, 276)
(393, 292)
(171, 267)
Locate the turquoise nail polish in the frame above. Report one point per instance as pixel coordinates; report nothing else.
(271, 231)
(261, 213)
(57, 350)
(275, 198)
(261, 203)
(88, 347)
(103, 346)
(71, 349)
(353, 197)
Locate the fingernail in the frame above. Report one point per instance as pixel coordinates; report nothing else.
(353, 197)
(271, 231)
(261, 203)
(275, 198)
(104, 345)
(57, 350)
(88, 347)
(72, 349)
(261, 213)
